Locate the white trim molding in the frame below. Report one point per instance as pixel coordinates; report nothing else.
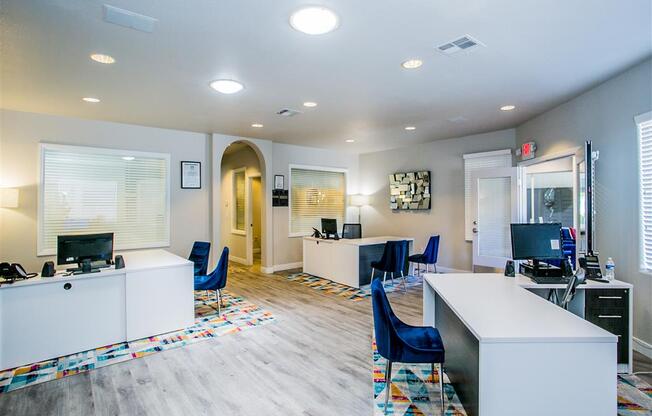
(642, 347)
(239, 260)
(287, 266)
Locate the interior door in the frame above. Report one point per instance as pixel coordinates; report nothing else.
(496, 206)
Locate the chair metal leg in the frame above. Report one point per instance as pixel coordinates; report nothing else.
(435, 266)
(440, 368)
(218, 298)
(432, 371)
(391, 275)
(404, 285)
(384, 277)
(372, 274)
(388, 382)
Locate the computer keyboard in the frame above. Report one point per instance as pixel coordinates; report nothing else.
(547, 280)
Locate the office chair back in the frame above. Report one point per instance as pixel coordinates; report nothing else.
(432, 250)
(575, 280)
(386, 337)
(199, 256)
(352, 231)
(393, 258)
(217, 279)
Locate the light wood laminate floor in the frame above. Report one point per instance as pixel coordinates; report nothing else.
(315, 360)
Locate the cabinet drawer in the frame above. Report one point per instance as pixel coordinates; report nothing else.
(597, 298)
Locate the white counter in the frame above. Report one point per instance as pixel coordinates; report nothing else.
(508, 349)
(43, 318)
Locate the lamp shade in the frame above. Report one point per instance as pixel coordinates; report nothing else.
(358, 200)
(9, 197)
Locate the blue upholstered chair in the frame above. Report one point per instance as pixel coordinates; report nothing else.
(216, 280)
(398, 342)
(392, 260)
(199, 255)
(429, 256)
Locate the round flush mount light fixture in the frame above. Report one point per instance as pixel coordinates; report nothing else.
(507, 107)
(410, 128)
(128, 158)
(412, 64)
(257, 125)
(226, 86)
(102, 58)
(310, 104)
(91, 99)
(349, 140)
(314, 20)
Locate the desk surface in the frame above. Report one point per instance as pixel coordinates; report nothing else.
(497, 309)
(367, 241)
(134, 261)
(527, 283)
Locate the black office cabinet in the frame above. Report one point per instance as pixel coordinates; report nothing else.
(609, 309)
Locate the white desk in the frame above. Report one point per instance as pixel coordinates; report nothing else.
(41, 319)
(344, 261)
(509, 351)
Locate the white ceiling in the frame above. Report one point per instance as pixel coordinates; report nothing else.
(537, 55)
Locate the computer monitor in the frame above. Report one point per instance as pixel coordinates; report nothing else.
(536, 241)
(329, 226)
(77, 248)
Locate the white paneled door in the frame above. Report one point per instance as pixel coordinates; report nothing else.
(495, 207)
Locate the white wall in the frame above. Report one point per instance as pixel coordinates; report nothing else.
(605, 115)
(20, 135)
(446, 218)
(289, 250)
(243, 158)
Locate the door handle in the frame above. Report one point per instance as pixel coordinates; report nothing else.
(610, 297)
(475, 230)
(610, 316)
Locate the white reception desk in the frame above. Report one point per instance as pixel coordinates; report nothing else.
(508, 349)
(345, 261)
(44, 318)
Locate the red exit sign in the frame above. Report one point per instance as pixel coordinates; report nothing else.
(527, 150)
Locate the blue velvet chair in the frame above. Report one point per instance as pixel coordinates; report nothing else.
(199, 255)
(429, 256)
(398, 342)
(216, 280)
(392, 260)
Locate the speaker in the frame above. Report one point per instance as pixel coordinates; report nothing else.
(509, 269)
(48, 269)
(119, 262)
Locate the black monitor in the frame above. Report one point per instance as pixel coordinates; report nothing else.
(536, 241)
(329, 226)
(77, 248)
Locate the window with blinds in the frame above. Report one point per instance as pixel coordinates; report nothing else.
(474, 162)
(85, 190)
(238, 218)
(315, 194)
(644, 125)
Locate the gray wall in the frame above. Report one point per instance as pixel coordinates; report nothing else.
(20, 135)
(446, 217)
(605, 115)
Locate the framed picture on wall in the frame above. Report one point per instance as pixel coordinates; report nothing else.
(279, 182)
(190, 175)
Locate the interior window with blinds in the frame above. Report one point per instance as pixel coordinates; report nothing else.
(644, 125)
(474, 162)
(87, 190)
(238, 225)
(315, 194)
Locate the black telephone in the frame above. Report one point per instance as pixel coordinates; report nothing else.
(14, 271)
(591, 265)
(316, 234)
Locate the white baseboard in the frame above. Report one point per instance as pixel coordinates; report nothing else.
(642, 347)
(444, 269)
(288, 266)
(238, 260)
(267, 270)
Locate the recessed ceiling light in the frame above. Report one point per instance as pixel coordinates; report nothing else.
(349, 140)
(410, 128)
(507, 107)
(226, 86)
(314, 20)
(103, 59)
(128, 158)
(257, 126)
(310, 104)
(412, 63)
(91, 99)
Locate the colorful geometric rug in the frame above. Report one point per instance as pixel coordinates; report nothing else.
(237, 315)
(348, 292)
(414, 392)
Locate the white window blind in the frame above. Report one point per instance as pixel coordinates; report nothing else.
(239, 200)
(477, 161)
(87, 190)
(644, 125)
(315, 194)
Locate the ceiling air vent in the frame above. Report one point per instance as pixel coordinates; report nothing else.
(127, 18)
(288, 112)
(465, 43)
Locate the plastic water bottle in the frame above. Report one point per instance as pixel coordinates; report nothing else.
(610, 269)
